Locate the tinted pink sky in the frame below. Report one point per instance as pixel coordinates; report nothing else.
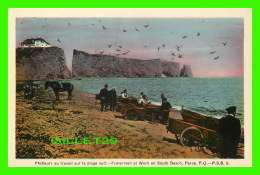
(222, 37)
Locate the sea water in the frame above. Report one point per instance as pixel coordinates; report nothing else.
(208, 96)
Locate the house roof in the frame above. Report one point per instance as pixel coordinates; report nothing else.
(32, 41)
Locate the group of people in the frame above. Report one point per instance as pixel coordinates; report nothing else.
(142, 100)
(229, 127)
(108, 98)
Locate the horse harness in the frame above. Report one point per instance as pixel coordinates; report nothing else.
(61, 85)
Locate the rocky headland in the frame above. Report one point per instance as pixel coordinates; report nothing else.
(49, 63)
(41, 63)
(98, 65)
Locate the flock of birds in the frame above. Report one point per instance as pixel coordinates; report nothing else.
(118, 49)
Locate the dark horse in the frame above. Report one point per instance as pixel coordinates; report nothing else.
(60, 87)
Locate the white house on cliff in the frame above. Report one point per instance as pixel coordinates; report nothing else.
(35, 42)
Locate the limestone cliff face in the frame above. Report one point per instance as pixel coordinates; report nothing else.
(186, 71)
(89, 65)
(170, 69)
(41, 64)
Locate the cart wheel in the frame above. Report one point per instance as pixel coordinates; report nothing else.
(131, 114)
(191, 137)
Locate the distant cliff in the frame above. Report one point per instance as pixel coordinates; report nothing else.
(89, 65)
(186, 71)
(169, 67)
(41, 63)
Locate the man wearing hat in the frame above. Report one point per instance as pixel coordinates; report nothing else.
(229, 134)
(165, 110)
(103, 97)
(124, 96)
(162, 97)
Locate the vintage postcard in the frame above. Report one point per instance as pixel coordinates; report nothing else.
(130, 87)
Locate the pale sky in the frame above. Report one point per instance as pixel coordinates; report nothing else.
(213, 47)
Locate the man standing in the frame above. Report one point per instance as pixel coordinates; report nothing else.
(165, 110)
(162, 97)
(103, 97)
(229, 134)
(112, 99)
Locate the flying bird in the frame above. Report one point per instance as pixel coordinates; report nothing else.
(58, 40)
(158, 49)
(68, 23)
(212, 52)
(184, 36)
(104, 28)
(225, 43)
(101, 52)
(99, 21)
(216, 58)
(124, 30)
(163, 45)
(22, 22)
(173, 54)
(145, 46)
(179, 56)
(120, 46)
(118, 50)
(178, 47)
(110, 45)
(136, 29)
(146, 26)
(92, 24)
(198, 34)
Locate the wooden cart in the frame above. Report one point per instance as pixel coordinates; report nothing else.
(134, 111)
(195, 130)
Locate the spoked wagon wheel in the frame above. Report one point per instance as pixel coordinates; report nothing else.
(131, 114)
(191, 137)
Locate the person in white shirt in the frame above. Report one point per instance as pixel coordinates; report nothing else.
(124, 94)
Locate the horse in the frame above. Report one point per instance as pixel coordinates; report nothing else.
(60, 87)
